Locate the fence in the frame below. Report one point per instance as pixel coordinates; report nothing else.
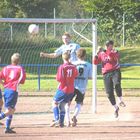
(38, 73)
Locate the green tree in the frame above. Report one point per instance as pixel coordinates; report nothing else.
(70, 9)
(28, 8)
(110, 16)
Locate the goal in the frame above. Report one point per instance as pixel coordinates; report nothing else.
(15, 37)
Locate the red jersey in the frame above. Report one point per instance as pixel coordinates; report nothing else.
(66, 75)
(108, 59)
(12, 76)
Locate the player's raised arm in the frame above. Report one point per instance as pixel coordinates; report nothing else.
(96, 59)
(49, 55)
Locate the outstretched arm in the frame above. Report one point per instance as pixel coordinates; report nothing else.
(48, 55)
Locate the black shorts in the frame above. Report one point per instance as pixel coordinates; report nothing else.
(111, 79)
(79, 97)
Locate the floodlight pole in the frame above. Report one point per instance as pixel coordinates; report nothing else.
(94, 67)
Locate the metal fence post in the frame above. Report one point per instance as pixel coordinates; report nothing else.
(38, 77)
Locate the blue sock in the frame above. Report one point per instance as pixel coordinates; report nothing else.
(8, 121)
(56, 113)
(2, 115)
(62, 116)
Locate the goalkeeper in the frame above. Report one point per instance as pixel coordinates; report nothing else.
(109, 59)
(1, 101)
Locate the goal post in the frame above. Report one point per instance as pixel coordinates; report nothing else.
(44, 21)
(94, 68)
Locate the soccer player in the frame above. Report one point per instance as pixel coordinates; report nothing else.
(66, 75)
(1, 104)
(1, 101)
(11, 75)
(67, 46)
(109, 59)
(85, 72)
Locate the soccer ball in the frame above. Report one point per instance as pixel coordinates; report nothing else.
(33, 29)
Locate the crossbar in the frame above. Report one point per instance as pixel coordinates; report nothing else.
(45, 20)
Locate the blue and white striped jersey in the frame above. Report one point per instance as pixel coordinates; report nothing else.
(72, 47)
(85, 72)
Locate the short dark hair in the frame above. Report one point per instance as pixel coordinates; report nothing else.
(81, 53)
(109, 42)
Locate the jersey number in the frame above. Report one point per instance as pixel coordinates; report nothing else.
(69, 72)
(81, 71)
(11, 75)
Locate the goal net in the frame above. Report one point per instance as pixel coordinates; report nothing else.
(41, 72)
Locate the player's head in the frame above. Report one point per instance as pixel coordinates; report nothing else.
(15, 58)
(81, 53)
(66, 56)
(66, 38)
(109, 44)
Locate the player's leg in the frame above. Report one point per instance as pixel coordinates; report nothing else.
(62, 113)
(117, 84)
(67, 114)
(7, 112)
(10, 98)
(1, 101)
(55, 112)
(68, 99)
(58, 98)
(67, 111)
(10, 105)
(1, 104)
(8, 124)
(79, 101)
(108, 83)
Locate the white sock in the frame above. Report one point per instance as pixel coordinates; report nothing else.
(67, 113)
(77, 110)
(120, 99)
(115, 106)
